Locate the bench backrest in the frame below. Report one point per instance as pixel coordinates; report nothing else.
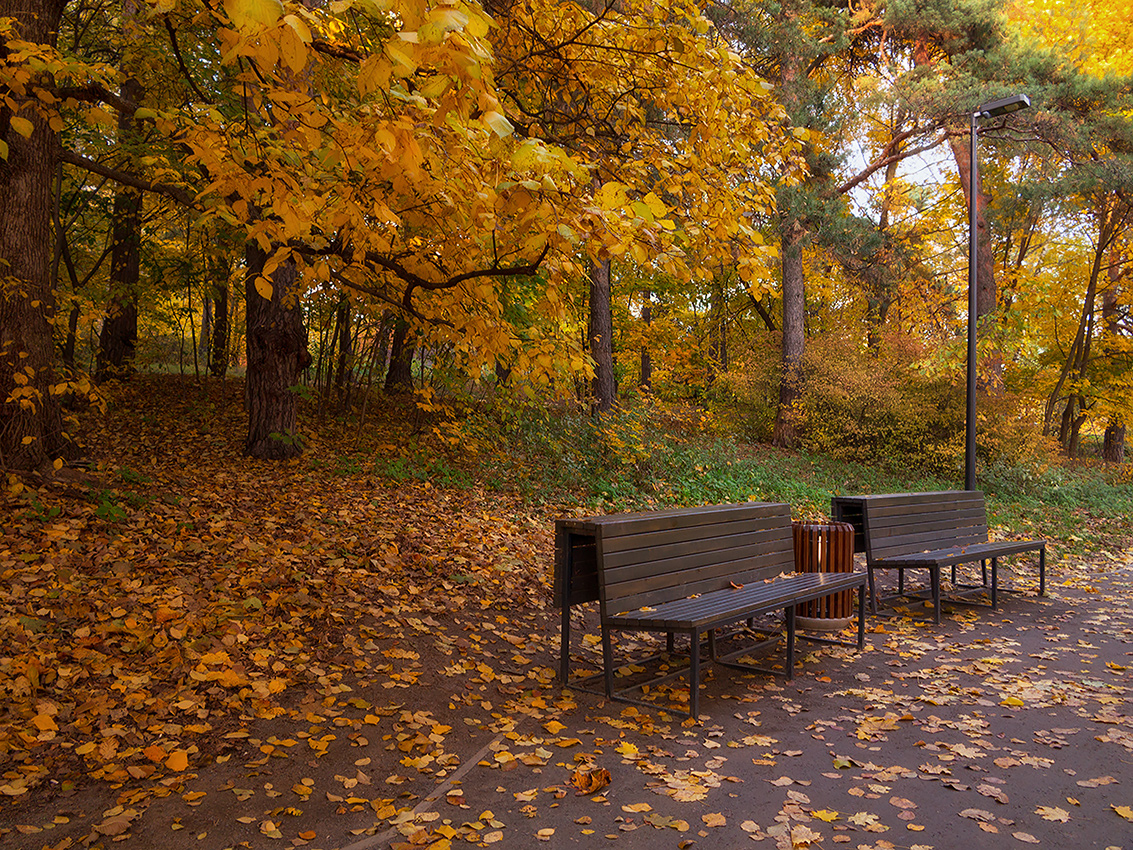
(906, 523)
(650, 558)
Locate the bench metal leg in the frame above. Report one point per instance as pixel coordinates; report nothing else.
(994, 582)
(694, 673)
(564, 646)
(861, 618)
(1042, 571)
(934, 578)
(790, 616)
(872, 591)
(608, 662)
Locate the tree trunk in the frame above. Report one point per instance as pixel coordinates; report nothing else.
(985, 260)
(277, 354)
(718, 331)
(220, 269)
(1113, 443)
(399, 378)
(785, 433)
(31, 422)
(646, 379)
(344, 350)
(206, 333)
(604, 388)
(1078, 359)
(118, 340)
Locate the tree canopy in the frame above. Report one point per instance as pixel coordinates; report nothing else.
(425, 188)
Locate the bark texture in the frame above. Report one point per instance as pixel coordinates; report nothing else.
(604, 388)
(31, 422)
(277, 354)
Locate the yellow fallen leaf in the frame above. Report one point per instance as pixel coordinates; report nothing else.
(1013, 701)
(637, 807)
(714, 819)
(1125, 811)
(177, 761)
(554, 727)
(826, 815)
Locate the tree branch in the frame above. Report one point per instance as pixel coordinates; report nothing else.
(95, 93)
(176, 193)
(887, 158)
(181, 61)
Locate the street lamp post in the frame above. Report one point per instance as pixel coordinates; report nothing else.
(1002, 106)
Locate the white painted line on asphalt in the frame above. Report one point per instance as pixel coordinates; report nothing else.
(426, 804)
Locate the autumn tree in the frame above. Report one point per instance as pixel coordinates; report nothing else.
(679, 137)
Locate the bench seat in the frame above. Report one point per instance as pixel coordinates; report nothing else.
(932, 531)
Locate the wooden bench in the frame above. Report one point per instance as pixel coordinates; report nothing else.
(692, 571)
(930, 531)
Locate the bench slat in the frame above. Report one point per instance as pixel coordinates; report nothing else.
(666, 545)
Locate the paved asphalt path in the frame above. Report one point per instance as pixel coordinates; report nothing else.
(994, 729)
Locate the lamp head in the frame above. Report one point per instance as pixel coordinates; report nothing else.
(1004, 105)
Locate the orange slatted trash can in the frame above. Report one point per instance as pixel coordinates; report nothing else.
(825, 548)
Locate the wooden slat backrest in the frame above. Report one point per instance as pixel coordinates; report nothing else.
(907, 523)
(647, 559)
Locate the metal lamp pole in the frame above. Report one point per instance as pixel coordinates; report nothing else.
(991, 109)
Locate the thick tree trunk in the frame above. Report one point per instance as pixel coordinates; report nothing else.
(785, 433)
(1113, 444)
(31, 422)
(277, 354)
(604, 388)
(399, 378)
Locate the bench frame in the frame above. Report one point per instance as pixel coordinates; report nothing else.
(930, 531)
(695, 571)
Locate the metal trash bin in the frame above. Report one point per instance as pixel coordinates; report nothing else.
(825, 548)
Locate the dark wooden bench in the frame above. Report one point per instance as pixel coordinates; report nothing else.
(931, 531)
(694, 571)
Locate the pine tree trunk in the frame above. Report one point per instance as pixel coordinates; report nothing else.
(985, 260)
(31, 422)
(277, 354)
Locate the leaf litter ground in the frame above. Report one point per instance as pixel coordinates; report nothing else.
(203, 651)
